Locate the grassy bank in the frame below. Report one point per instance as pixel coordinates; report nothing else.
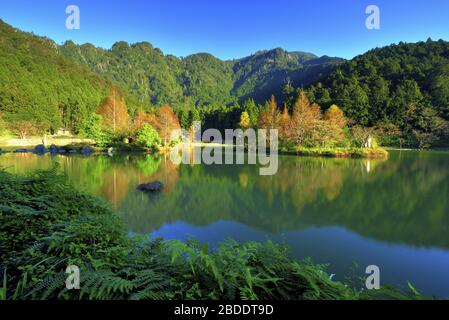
(337, 152)
(60, 141)
(46, 225)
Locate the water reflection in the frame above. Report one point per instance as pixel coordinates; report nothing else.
(402, 200)
(393, 213)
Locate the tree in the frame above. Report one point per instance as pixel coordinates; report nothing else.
(245, 121)
(194, 115)
(253, 111)
(23, 128)
(92, 128)
(166, 122)
(335, 123)
(142, 118)
(336, 116)
(305, 119)
(440, 89)
(114, 112)
(148, 137)
(430, 127)
(285, 124)
(288, 92)
(270, 117)
(361, 134)
(2, 124)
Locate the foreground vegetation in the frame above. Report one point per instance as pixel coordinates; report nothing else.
(45, 226)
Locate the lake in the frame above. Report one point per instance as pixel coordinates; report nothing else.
(347, 213)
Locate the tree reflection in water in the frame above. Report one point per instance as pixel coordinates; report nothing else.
(401, 200)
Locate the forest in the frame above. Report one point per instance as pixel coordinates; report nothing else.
(398, 94)
(133, 96)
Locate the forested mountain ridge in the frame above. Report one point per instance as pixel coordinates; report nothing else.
(266, 72)
(403, 87)
(199, 79)
(39, 86)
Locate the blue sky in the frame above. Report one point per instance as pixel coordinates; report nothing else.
(235, 28)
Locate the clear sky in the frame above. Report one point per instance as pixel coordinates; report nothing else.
(235, 28)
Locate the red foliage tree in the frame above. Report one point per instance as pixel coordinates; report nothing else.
(114, 112)
(166, 122)
(142, 119)
(305, 120)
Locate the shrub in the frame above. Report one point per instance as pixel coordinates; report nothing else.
(91, 128)
(148, 137)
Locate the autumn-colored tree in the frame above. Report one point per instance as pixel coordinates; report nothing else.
(142, 118)
(245, 121)
(335, 115)
(270, 117)
(166, 122)
(305, 121)
(114, 112)
(285, 124)
(335, 122)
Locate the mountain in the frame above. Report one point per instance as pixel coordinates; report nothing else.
(405, 85)
(266, 72)
(401, 88)
(39, 85)
(200, 79)
(142, 69)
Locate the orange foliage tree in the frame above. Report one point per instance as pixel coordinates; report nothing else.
(142, 119)
(305, 120)
(285, 124)
(114, 112)
(166, 122)
(270, 118)
(335, 123)
(307, 126)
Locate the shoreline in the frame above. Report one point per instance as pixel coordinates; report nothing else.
(344, 153)
(85, 146)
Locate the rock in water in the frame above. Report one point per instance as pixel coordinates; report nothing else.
(155, 186)
(40, 149)
(53, 149)
(87, 150)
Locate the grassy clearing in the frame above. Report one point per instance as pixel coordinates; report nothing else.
(46, 225)
(337, 152)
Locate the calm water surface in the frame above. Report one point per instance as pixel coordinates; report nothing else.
(393, 213)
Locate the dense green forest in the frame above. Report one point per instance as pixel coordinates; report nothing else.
(199, 79)
(400, 92)
(402, 89)
(38, 86)
(267, 72)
